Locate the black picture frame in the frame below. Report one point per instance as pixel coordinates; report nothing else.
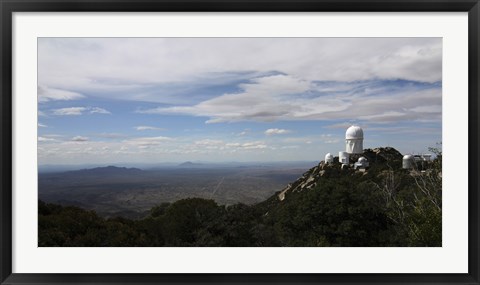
(8, 7)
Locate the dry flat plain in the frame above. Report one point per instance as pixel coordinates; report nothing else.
(131, 192)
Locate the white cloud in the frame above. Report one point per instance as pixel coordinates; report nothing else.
(385, 116)
(46, 94)
(329, 139)
(209, 142)
(148, 141)
(53, 136)
(147, 128)
(71, 111)
(242, 133)
(160, 58)
(97, 110)
(344, 125)
(276, 84)
(407, 130)
(332, 141)
(140, 63)
(427, 109)
(45, 139)
(214, 144)
(79, 139)
(262, 100)
(77, 111)
(270, 132)
(42, 125)
(253, 145)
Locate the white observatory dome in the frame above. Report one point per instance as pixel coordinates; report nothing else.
(361, 163)
(408, 156)
(354, 140)
(328, 158)
(408, 161)
(354, 133)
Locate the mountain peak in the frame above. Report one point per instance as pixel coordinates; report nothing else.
(189, 164)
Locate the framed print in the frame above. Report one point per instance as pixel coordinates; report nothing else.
(239, 142)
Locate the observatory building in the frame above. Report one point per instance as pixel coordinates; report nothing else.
(408, 161)
(362, 163)
(343, 157)
(354, 145)
(354, 140)
(328, 158)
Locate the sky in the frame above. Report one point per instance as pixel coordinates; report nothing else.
(158, 100)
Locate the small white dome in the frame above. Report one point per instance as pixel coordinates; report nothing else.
(408, 157)
(328, 158)
(362, 159)
(354, 133)
(408, 162)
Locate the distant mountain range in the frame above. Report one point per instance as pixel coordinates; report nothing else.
(190, 164)
(107, 170)
(58, 168)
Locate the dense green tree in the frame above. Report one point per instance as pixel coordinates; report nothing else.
(193, 222)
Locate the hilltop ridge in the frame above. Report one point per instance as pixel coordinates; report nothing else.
(380, 157)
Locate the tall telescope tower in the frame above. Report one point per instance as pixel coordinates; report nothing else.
(354, 140)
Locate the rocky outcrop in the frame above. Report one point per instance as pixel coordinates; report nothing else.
(307, 181)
